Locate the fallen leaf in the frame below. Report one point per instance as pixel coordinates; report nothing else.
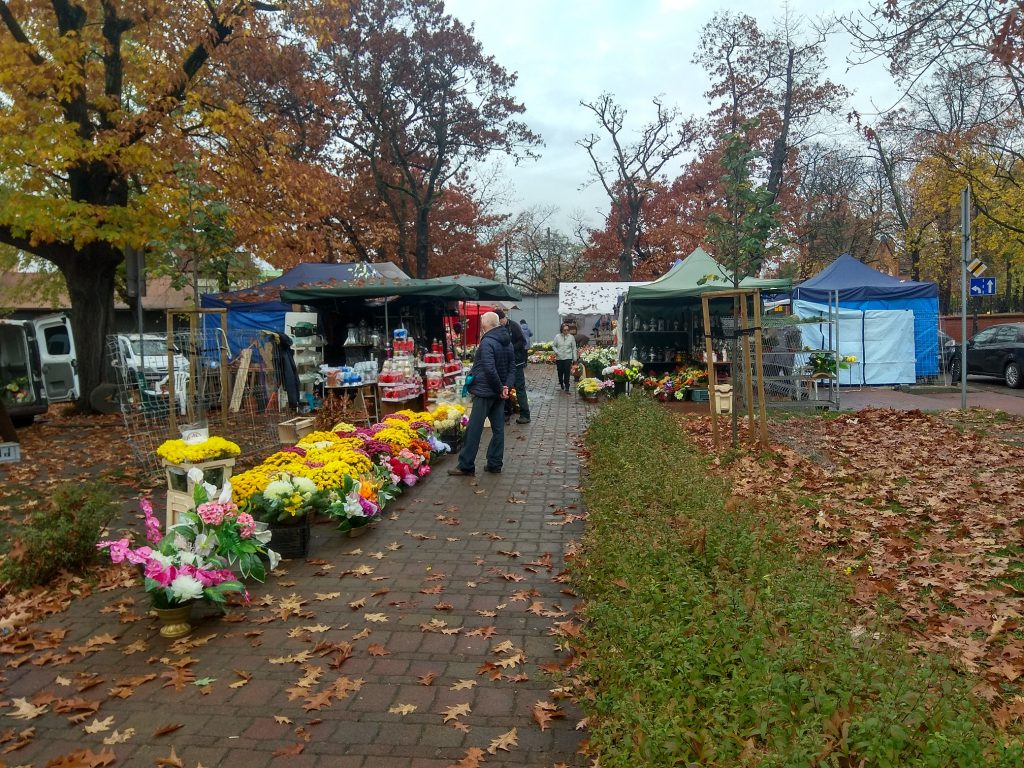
(402, 709)
(292, 751)
(99, 726)
(120, 737)
(504, 742)
(282, 720)
(427, 679)
(544, 712)
(463, 685)
(457, 711)
(171, 761)
(24, 710)
(163, 730)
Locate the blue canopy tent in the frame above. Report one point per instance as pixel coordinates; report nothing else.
(869, 291)
(260, 308)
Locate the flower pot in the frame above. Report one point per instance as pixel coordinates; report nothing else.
(359, 530)
(174, 621)
(620, 388)
(589, 398)
(291, 541)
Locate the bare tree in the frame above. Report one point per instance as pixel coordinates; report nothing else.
(630, 171)
(534, 256)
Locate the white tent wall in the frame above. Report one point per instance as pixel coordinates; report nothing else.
(882, 341)
(541, 314)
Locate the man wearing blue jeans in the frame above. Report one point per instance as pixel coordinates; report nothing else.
(492, 375)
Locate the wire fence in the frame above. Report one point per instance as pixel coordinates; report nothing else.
(199, 383)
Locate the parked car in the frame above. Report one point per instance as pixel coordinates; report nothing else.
(996, 351)
(37, 365)
(147, 354)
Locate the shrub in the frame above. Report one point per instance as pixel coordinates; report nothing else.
(60, 537)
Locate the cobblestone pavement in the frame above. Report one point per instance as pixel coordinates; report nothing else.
(413, 645)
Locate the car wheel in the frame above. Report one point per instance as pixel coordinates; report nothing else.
(954, 369)
(1012, 375)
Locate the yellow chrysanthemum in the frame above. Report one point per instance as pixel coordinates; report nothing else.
(317, 437)
(180, 452)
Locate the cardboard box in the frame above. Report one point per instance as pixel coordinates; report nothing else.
(291, 431)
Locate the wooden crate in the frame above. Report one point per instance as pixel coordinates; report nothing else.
(291, 431)
(180, 488)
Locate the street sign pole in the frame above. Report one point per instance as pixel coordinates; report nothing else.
(965, 248)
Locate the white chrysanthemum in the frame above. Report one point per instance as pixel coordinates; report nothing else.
(186, 588)
(304, 485)
(278, 489)
(164, 560)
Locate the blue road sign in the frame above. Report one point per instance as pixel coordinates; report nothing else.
(983, 286)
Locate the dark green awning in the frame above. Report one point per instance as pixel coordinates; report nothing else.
(456, 287)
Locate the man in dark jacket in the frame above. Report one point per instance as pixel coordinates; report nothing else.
(493, 374)
(520, 348)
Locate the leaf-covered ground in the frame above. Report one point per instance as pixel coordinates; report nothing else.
(924, 513)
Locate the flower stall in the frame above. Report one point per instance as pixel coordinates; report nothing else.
(348, 474)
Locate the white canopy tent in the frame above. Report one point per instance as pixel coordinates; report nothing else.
(590, 298)
(881, 340)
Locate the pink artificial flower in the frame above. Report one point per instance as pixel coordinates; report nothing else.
(118, 549)
(153, 534)
(424, 470)
(138, 556)
(246, 524)
(156, 572)
(211, 513)
(410, 480)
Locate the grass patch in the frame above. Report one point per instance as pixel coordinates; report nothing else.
(710, 641)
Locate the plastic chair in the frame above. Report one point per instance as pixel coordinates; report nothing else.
(180, 388)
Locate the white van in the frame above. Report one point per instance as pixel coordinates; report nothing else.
(37, 365)
(151, 350)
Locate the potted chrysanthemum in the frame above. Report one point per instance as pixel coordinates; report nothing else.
(286, 506)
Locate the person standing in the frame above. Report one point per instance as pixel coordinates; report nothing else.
(564, 346)
(526, 330)
(491, 378)
(519, 348)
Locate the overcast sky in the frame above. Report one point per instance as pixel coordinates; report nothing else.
(565, 51)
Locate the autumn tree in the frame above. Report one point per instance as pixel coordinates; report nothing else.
(775, 78)
(630, 171)
(95, 98)
(423, 103)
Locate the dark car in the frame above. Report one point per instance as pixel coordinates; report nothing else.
(947, 348)
(995, 351)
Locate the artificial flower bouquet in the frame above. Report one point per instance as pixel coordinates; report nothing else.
(213, 448)
(450, 421)
(16, 390)
(826, 364)
(597, 358)
(588, 387)
(350, 504)
(195, 559)
(286, 500)
(620, 373)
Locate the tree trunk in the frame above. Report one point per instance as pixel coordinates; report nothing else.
(90, 280)
(422, 234)
(7, 431)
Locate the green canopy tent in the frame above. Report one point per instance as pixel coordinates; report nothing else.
(486, 289)
(662, 319)
(694, 276)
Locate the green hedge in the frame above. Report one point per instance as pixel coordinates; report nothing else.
(710, 641)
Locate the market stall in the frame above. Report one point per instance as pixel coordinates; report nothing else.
(662, 324)
(405, 323)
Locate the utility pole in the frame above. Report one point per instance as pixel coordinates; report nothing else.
(965, 257)
(508, 269)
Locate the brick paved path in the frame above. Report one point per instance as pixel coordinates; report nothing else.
(459, 586)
